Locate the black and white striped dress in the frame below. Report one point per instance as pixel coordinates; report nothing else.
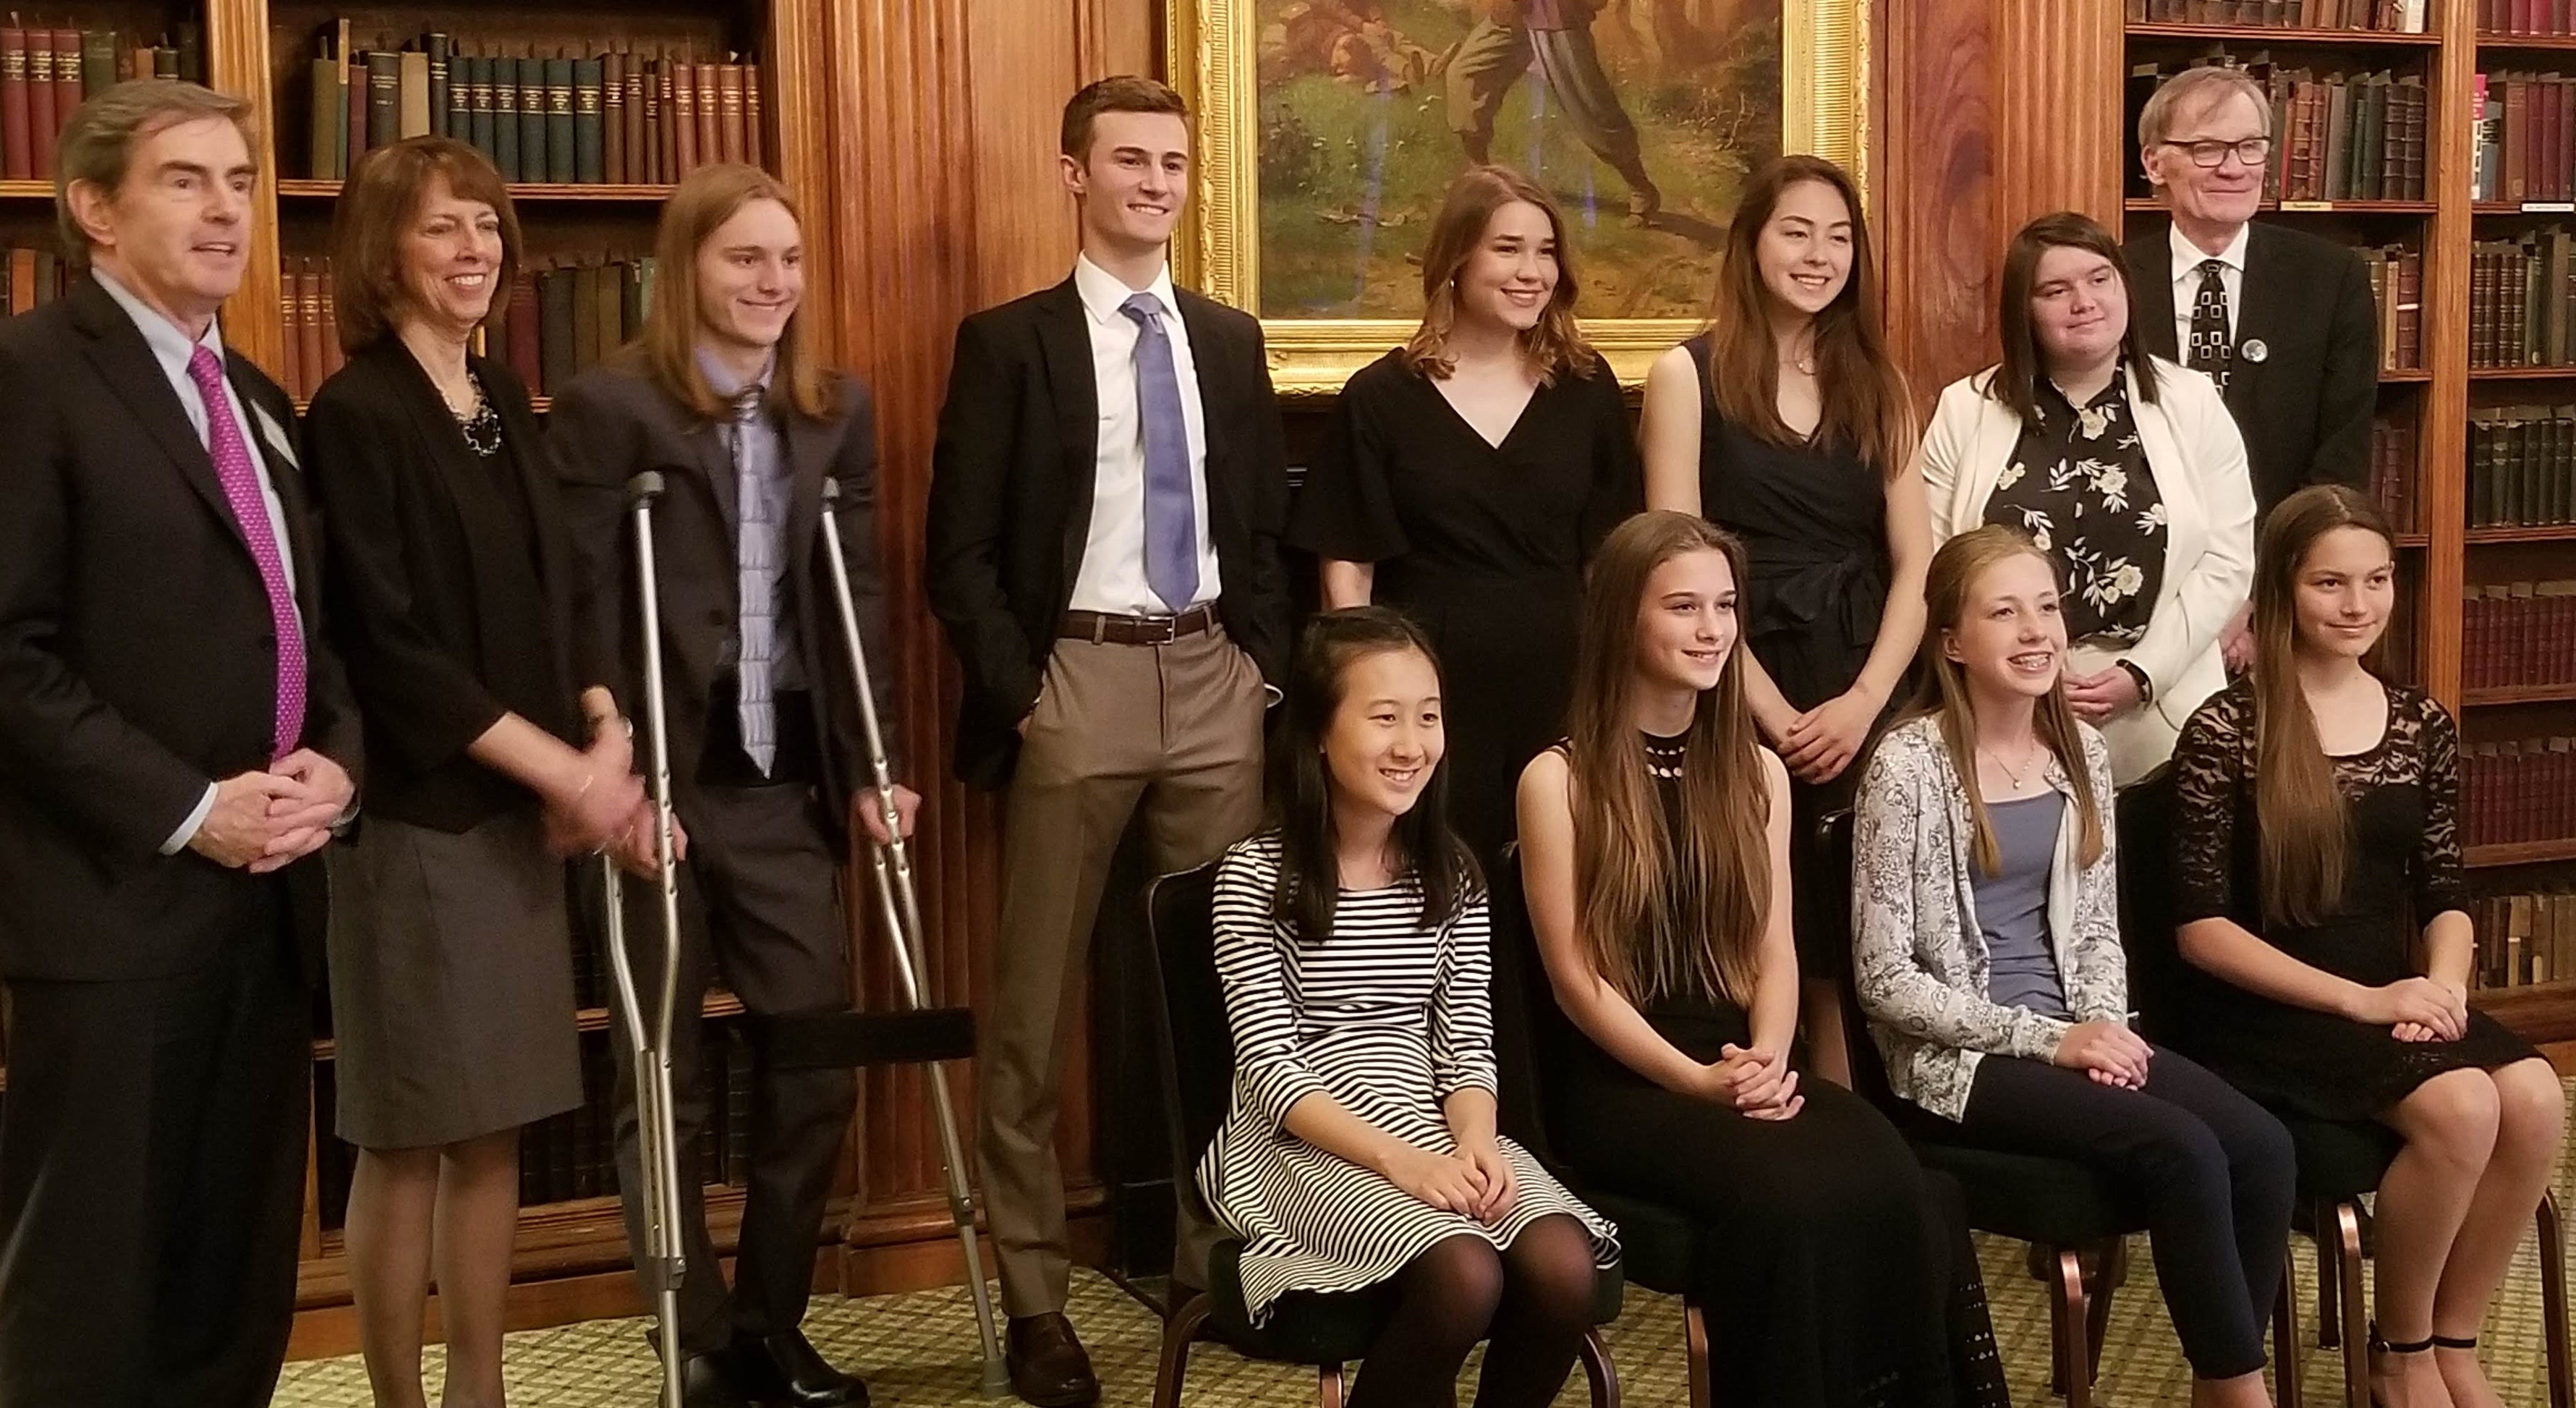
(1389, 1019)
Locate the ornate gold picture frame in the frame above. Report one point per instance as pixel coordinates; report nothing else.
(1356, 112)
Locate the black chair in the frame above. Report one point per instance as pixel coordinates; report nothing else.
(1197, 1049)
(2062, 1208)
(1659, 1247)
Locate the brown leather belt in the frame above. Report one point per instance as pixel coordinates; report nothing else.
(1100, 627)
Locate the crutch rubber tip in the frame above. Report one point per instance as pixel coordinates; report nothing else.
(647, 484)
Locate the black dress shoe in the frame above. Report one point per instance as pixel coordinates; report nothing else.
(1048, 1366)
(706, 1383)
(785, 1370)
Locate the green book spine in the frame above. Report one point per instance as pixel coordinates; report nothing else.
(441, 75)
(384, 100)
(460, 99)
(505, 117)
(478, 105)
(192, 51)
(533, 162)
(561, 162)
(612, 118)
(326, 110)
(589, 140)
(98, 61)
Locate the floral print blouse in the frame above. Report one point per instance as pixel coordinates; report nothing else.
(2078, 484)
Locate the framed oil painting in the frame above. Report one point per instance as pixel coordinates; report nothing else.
(1328, 130)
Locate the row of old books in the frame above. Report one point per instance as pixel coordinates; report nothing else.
(2397, 291)
(2522, 300)
(2526, 138)
(2518, 635)
(2337, 136)
(559, 319)
(574, 1154)
(46, 73)
(615, 118)
(2522, 466)
(2387, 16)
(2393, 458)
(2513, 17)
(2518, 791)
(30, 275)
(2524, 937)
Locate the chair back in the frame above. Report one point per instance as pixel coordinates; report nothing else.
(2143, 819)
(1868, 1068)
(1530, 1031)
(1195, 1044)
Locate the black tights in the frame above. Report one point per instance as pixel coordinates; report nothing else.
(1534, 1301)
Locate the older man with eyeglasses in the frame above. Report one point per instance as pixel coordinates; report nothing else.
(2281, 319)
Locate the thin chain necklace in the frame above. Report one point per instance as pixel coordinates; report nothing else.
(2030, 763)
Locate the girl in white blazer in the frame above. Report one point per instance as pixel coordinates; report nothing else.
(2065, 317)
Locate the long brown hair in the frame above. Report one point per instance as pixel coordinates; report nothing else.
(1556, 346)
(1664, 914)
(1867, 408)
(699, 206)
(377, 208)
(2016, 381)
(2305, 840)
(1943, 693)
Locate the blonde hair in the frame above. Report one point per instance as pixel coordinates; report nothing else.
(2191, 88)
(699, 206)
(97, 145)
(1555, 346)
(1665, 912)
(1943, 694)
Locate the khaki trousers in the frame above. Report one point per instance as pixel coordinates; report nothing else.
(1173, 730)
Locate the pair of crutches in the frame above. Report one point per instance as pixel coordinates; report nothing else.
(664, 1261)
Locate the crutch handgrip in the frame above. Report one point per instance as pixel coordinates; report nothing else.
(645, 487)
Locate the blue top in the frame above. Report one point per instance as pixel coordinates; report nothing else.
(2012, 907)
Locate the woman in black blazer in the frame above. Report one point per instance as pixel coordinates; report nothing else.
(449, 585)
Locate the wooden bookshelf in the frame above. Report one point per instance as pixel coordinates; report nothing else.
(2280, 36)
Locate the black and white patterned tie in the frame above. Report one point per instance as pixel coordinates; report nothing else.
(2211, 350)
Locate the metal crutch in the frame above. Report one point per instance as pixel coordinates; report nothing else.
(899, 904)
(665, 1261)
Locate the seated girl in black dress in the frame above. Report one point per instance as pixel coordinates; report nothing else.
(1352, 940)
(1986, 948)
(2324, 804)
(1654, 854)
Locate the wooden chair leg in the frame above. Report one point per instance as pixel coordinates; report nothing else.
(2553, 1302)
(2329, 1280)
(2285, 1332)
(1601, 1375)
(1695, 1350)
(2114, 1273)
(1178, 1332)
(2069, 1315)
(1328, 1386)
(2356, 1322)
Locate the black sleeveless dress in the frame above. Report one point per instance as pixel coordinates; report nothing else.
(1839, 1273)
(1814, 523)
(2403, 796)
(1483, 546)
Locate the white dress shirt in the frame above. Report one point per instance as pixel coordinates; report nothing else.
(172, 348)
(1111, 578)
(2187, 259)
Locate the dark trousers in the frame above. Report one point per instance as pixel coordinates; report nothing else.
(759, 903)
(152, 1181)
(2213, 1170)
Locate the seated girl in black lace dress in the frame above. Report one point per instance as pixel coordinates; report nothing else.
(2323, 846)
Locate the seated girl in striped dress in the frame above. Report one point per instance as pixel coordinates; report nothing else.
(1351, 938)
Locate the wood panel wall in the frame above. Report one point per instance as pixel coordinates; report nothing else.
(942, 197)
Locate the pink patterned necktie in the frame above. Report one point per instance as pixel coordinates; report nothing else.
(234, 470)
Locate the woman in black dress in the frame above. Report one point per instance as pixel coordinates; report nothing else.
(1654, 859)
(1787, 424)
(1466, 477)
(2325, 847)
(490, 743)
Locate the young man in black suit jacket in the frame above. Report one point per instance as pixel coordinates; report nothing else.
(2281, 318)
(1105, 504)
(175, 745)
(723, 397)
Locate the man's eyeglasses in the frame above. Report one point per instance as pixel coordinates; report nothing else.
(2250, 152)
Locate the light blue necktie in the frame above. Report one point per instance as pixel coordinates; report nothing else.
(1171, 516)
(758, 560)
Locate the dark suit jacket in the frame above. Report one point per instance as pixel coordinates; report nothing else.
(611, 423)
(137, 656)
(2305, 408)
(1010, 500)
(450, 585)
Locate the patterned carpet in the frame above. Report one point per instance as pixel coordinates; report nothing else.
(917, 1351)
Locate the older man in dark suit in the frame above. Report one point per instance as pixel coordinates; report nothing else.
(174, 745)
(1105, 506)
(2280, 318)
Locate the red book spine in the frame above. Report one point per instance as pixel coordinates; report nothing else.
(710, 115)
(40, 102)
(16, 161)
(67, 80)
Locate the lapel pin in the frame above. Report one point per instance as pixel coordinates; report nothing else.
(2254, 350)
